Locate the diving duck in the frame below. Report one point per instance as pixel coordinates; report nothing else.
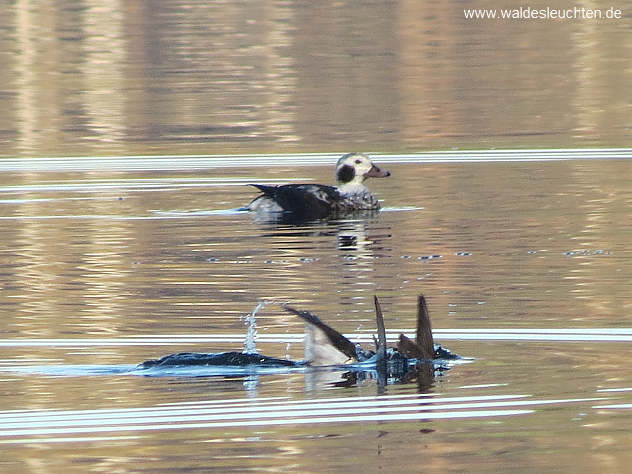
(324, 346)
(315, 201)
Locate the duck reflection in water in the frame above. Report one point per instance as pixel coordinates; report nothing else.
(328, 350)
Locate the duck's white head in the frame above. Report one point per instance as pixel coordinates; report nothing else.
(353, 168)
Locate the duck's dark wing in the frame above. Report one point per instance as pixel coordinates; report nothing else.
(381, 330)
(303, 200)
(423, 346)
(334, 338)
(424, 337)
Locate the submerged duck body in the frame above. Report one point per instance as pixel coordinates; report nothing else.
(315, 201)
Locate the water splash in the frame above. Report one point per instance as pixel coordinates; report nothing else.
(250, 321)
(250, 343)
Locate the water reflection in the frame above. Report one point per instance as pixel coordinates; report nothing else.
(194, 76)
(529, 274)
(18, 425)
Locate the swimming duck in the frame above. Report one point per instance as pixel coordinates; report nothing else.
(315, 201)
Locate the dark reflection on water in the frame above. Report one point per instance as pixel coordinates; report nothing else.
(195, 76)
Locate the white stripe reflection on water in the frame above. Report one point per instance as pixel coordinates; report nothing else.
(155, 215)
(620, 406)
(249, 413)
(73, 439)
(561, 335)
(177, 215)
(151, 184)
(624, 389)
(197, 162)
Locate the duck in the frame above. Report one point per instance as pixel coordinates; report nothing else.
(316, 201)
(327, 347)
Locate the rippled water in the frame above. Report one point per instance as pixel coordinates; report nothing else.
(192, 76)
(525, 263)
(124, 240)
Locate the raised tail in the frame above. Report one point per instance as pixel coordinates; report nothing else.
(423, 346)
(337, 340)
(381, 330)
(267, 189)
(424, 328)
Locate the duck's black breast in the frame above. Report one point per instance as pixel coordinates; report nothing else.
(303, 200)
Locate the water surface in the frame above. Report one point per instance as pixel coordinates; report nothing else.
(525, 264)
(198, 77)
(129, 132)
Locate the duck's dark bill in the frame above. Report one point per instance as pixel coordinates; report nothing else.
(376, 172)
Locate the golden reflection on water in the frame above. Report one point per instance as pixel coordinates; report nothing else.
(199, 77)
(115, 259)
(104, 56)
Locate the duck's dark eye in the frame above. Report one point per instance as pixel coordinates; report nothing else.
(358, 162)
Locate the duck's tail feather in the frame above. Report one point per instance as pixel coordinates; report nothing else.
(266, 189)
(424, 328)
(340, 343)
(381, 330)
(423, 347)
